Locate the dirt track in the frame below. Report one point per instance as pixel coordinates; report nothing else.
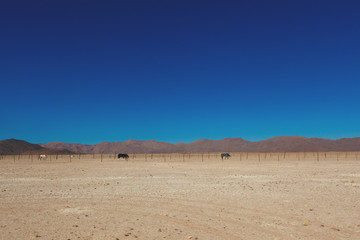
(180, 200)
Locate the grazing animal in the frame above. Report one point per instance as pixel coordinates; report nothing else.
(42, 157)
(123, 155)
(225, 155)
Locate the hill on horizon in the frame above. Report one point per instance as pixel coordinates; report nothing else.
(14, 146)
(275, 144)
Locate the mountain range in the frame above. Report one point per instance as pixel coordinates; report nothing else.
(276, 144)
(14, 146)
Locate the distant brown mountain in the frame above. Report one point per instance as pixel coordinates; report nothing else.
(276, 144)
(13, 146)
(129, 146)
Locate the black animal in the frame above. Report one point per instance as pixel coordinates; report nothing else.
(225, 155)
(123, 155)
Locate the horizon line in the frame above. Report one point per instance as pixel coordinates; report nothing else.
(334, 139)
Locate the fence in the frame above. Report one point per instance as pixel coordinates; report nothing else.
(189, 157)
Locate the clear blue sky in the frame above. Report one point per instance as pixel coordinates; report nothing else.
(177, 71)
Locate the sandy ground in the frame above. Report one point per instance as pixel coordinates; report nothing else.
(213, 199)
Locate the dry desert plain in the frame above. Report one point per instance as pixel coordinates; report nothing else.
(185, 197)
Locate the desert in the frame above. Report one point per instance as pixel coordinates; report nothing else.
(181, 196)
(180, 120)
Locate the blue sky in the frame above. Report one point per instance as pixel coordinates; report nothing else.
(177, 71)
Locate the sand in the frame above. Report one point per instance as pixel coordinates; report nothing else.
(197, 199)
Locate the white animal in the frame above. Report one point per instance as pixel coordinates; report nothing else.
(42, 157)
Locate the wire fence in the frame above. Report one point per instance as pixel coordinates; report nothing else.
(187, 157)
